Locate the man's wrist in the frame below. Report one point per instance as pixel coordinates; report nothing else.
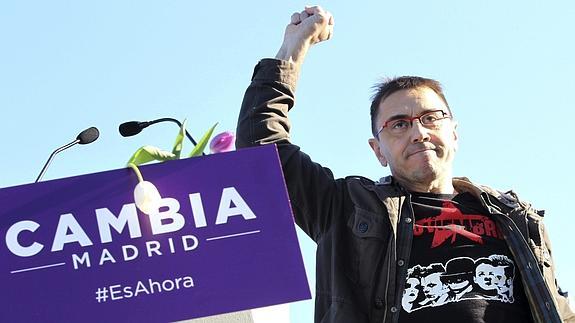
(276, 70)
(293, 55)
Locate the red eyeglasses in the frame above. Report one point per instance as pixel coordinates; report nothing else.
(428, 119)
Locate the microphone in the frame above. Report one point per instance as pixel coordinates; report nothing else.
(131, 128)
(85, 137)
(88, 136)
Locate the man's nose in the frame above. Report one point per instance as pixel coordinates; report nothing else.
(418, 133)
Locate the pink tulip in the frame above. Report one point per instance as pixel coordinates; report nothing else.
(223, 142)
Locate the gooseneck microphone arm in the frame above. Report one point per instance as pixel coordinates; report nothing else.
(66, 146)
(177, 122)
(132, 128)
(85, 137)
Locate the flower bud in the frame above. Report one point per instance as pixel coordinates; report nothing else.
(223, 142)
(147, 197)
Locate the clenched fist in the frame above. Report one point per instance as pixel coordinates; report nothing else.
(306, 28)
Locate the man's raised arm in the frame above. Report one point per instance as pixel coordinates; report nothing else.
(264, 119)
(263, 115)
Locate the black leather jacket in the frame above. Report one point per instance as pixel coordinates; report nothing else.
(364, 229)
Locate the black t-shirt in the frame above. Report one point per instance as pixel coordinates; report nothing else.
(460, 269)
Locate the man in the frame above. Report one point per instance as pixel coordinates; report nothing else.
(485, 277)
(434, 289)
(364, 229)
(458, 275)
(503, 273)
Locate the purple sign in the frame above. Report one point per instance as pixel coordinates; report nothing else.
(78, 250)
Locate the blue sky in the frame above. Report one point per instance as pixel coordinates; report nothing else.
(507, 68)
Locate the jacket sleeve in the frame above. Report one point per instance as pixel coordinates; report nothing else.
(563, 306)
(264, 120)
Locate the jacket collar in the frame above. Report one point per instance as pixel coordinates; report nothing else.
(490, 196)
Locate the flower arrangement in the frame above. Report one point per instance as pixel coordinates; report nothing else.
(146, 195)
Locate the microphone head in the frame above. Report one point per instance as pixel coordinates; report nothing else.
(87, 136)
(131, 128)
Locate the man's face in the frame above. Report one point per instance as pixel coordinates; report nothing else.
(432, 286)
(411, 291)
(485, 276)
(458, 283)
(420, 155)
(501, 280)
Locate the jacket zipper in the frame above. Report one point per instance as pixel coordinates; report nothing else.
(386, 290)
(389, 262)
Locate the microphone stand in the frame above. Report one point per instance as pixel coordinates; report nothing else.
(66, 146)
(178, 123)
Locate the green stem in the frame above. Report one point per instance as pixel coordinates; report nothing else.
(137, 171)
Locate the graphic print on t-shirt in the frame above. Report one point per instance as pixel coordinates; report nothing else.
(452, 223)
(460, 268)
(460, 278)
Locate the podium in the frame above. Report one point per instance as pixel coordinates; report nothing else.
(223, 241)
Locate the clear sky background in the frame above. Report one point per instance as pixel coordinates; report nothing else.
(507, 67)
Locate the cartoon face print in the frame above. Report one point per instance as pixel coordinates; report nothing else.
(458, 283)
(433, 288)
(411, 290)
(485, 277)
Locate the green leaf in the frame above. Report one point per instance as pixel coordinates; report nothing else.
(177, 150)
(197, 151)
(149, 153)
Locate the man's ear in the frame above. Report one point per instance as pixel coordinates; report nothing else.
(374, 144)
(455, 137)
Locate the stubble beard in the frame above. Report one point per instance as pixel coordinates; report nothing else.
(422, 176)
(428, 175)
